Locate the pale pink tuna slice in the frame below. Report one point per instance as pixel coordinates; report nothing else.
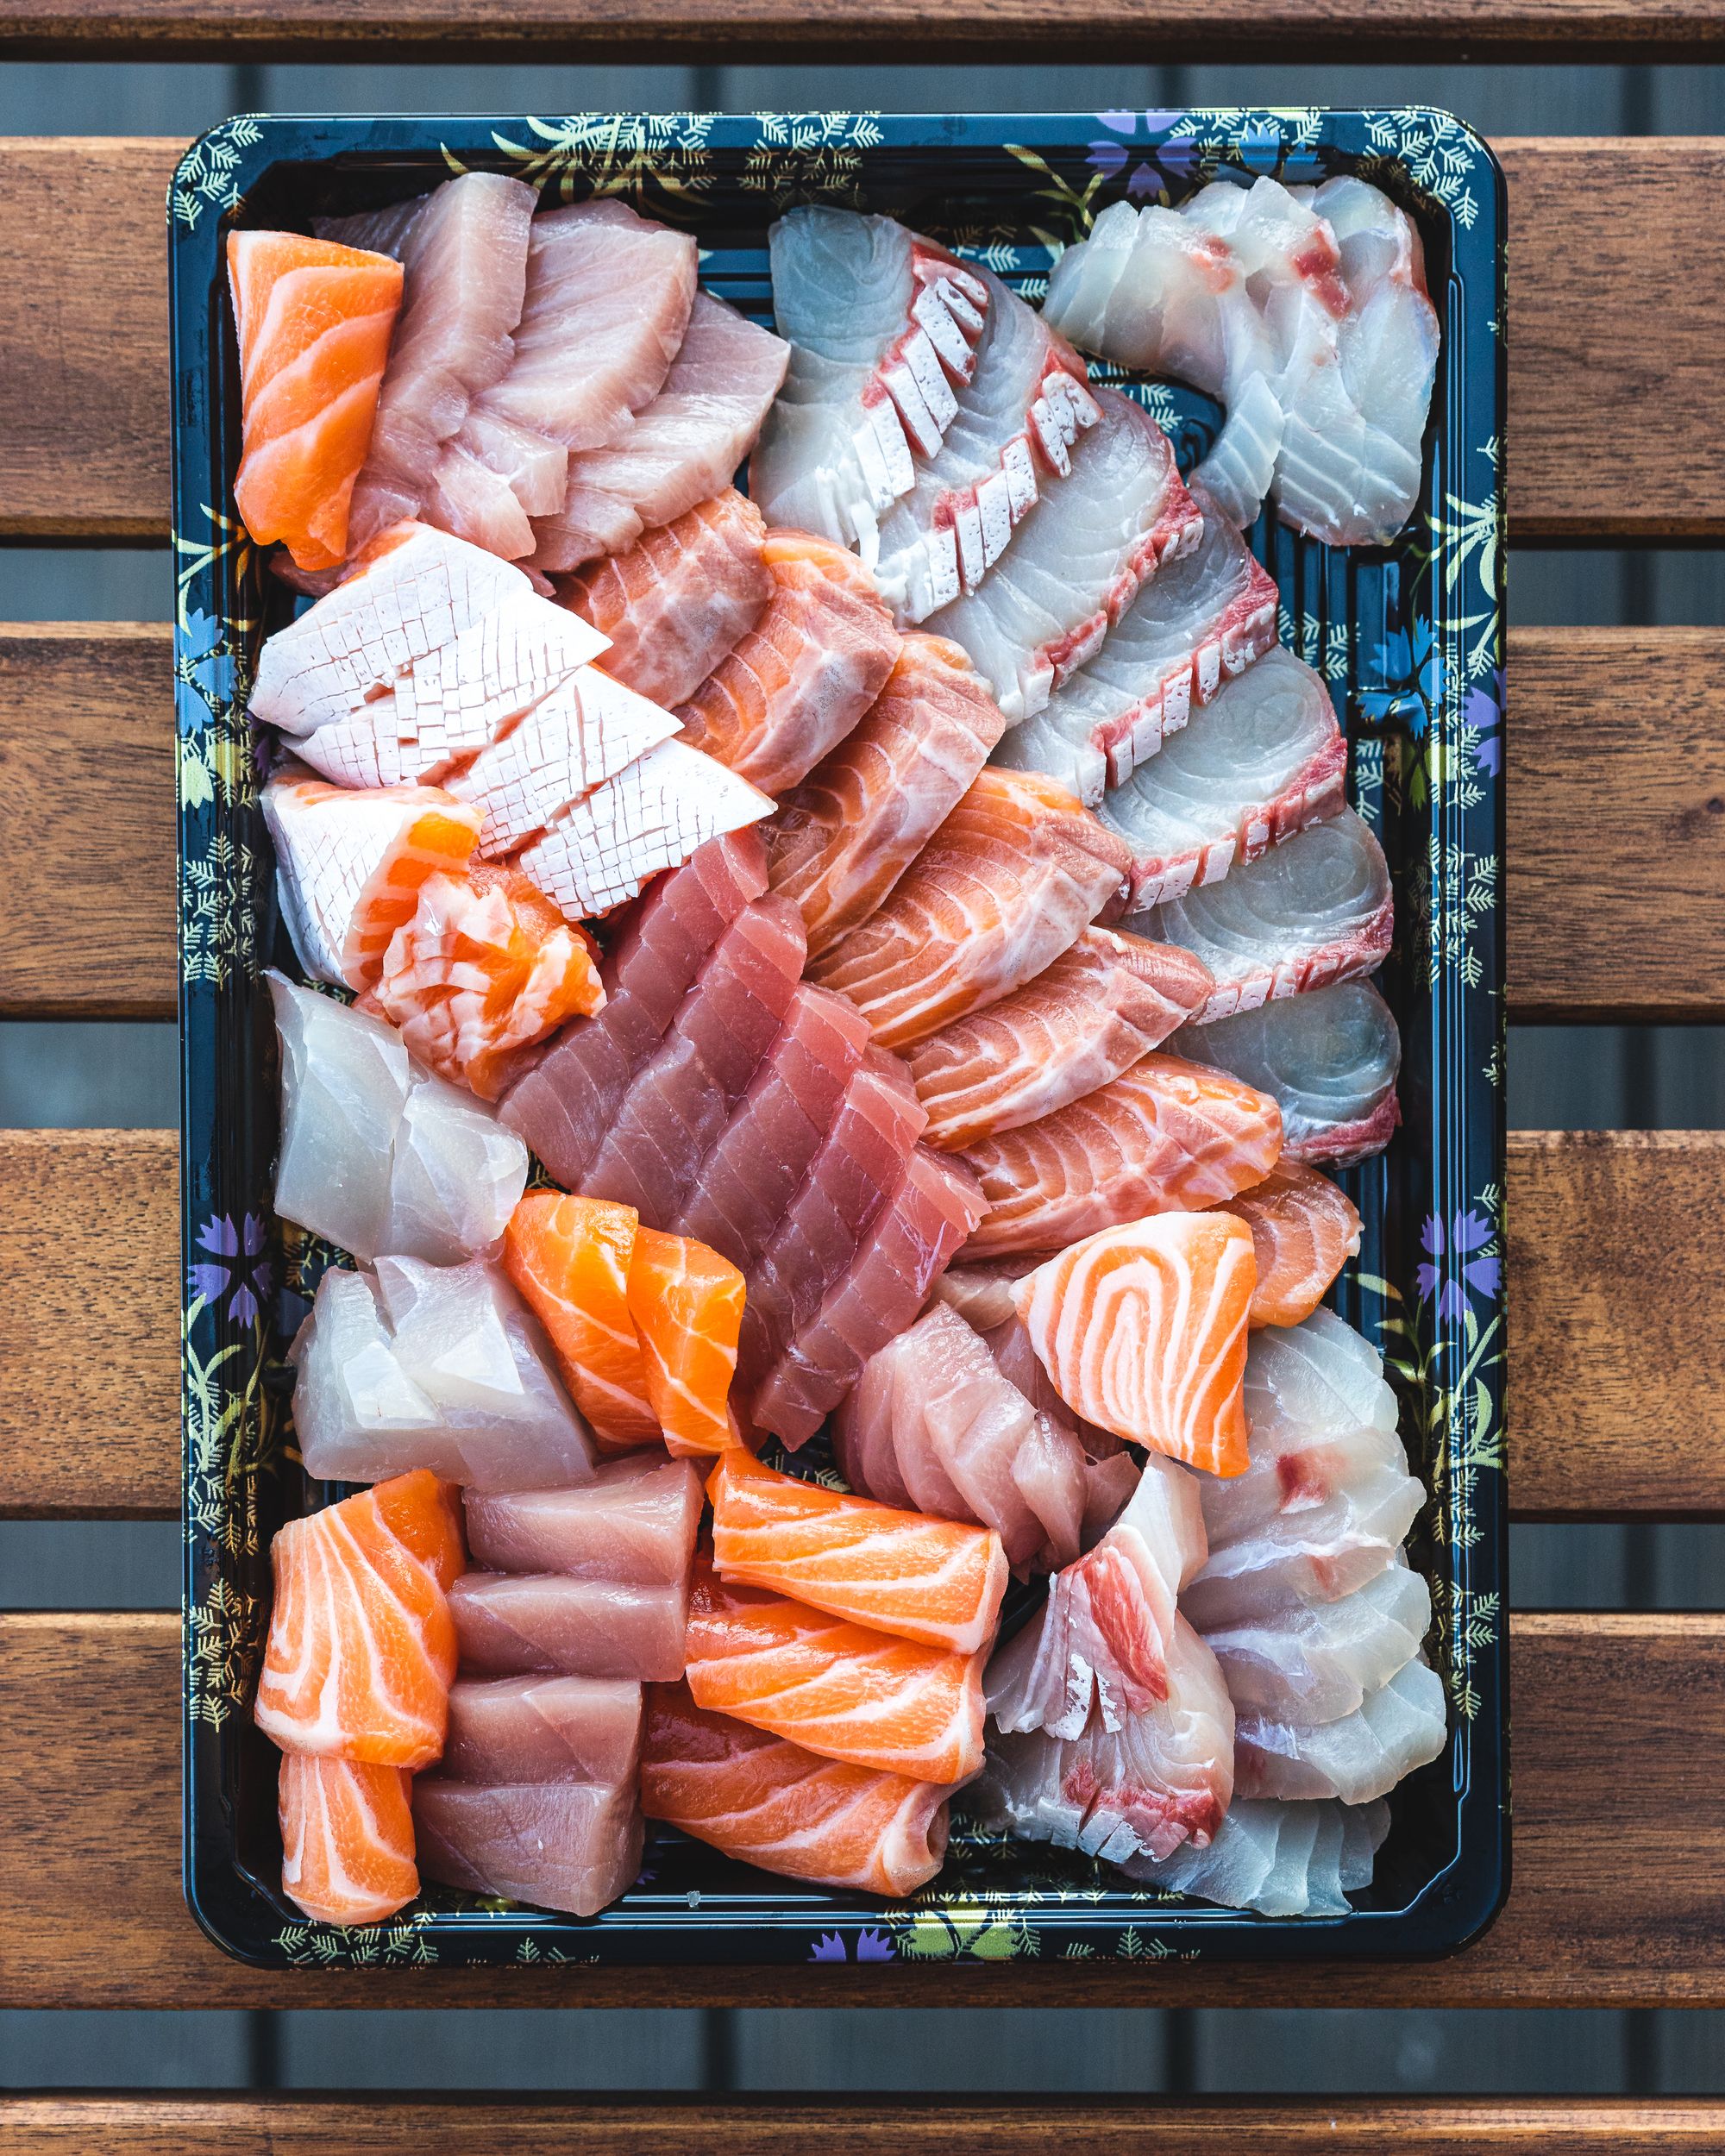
(652, 816)
(526, 1729)
(525, 1624)
(679, 599)
(882, 325)
(982, 1291)
(1356, 1759)
(679, 450)
(463, 248)
(907, 1245)
(748, 1180)
(585, 730)
(634, 1524)
(566, 1099)
(1329, 1060)
(1199, 623)
(1017, 419)
(570, 1846)
(680, 1098)
(1316, 908)
(1260, 762)
(1078, 561)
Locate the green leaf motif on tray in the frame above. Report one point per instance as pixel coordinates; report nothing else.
(203, 178)
(402, 1943)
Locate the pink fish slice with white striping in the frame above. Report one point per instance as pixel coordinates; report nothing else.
(635, 1522)
(526, 1729)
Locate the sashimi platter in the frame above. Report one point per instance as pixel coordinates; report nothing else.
(840, 810)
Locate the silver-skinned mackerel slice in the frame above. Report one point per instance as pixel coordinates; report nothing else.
(1203, 620)
(882, 323)
(1261, 760)
(1316, 908)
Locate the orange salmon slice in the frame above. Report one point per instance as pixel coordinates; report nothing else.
(346, 1839)
(570, 1258)
(1304, 1230)
(687, 1302)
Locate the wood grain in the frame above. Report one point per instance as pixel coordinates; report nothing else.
(386, 2125)
(1619, 1849)
(1612, 379)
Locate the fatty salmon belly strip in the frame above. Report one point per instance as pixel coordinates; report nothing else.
(678, 451)
(798, 682)
(570, 1846)
(1089, 1017)
(1009, 880)
(1156, 1139)
(775, 1804)
(836, 1688)
(844, 838)
(634, 1524)
(908, 1246)
(463, 249)
(679, 1101)
(679, 599)
(565, 1100)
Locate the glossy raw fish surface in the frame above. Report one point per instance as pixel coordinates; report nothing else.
(346, 1839)
(1328, 1059)
(570, 1257)
(1362, 1756)
(519, 1623)
(518, 1729)
(634, 1522)
(1278, 1859)
(1304, 1230)
(1319, 1660)
(571, 1845)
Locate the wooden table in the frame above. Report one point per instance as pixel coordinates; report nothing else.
(1616, 789)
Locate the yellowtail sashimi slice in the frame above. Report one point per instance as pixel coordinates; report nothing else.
(1329, 1059)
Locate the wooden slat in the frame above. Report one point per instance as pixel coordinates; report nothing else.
(1629, 722)
(1619, 1854)
(1616, 247)
(802, 2125)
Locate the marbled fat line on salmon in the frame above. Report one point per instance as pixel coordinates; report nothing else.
(1304, 1230)
(346, 1839)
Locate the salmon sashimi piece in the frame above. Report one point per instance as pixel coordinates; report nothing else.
(687, 1302)
(528, 1624)
(362, 1649)
(932, 1580)
(486, 967)
(634, 1523)
(572, 1846)
(346, 1839)
(1082, 1022)
(524, 1729)
(770, 1802)
(837, 1688)
(1143, 1329)
(1008, 882)
(350, 866)
(844, 838)
(1304, 1230)
(1166, 1134)
(798, 681)
(679, 598)
(570, 1258)
(314, 322)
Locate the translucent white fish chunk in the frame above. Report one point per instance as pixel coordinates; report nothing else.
(444, 1367)
(1278, 1859)
(1362, 1756)
(1329, 1059)
(1318, 1661)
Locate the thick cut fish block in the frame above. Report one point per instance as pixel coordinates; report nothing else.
(570, 1257)
(836, 1688)
(1304, 1230)
(1078, 561)
(419, 1364)
(687, 1302)
(1329, 1060)
(925, 1579)
(883, 325)
(1319, 1661)
(1081, 1023)
(1279, 1859)
(1008, 881)
(571, 1845)
(1168, 1135)
(346, 1839)
(377, 1155)
(463, 253)
(679, 598)
(770, 1802)
(634, 1523)
(361, 1647)
(521, 1623)
(844, 837)
(795, 683)
(1260, 762)
(524, 1729)
(565, 1101)
(652, 816)
(1143, 1329)
(1316, 908)
(679, 450)
(314, 322)
(1202, 620)
(1360, 1757)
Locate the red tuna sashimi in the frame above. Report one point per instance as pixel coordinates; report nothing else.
(634, 1523)
(679, 599)
(678, 451)
(520, 1729)
(346, 1839)
(844, 838)
(525, 1624)
(572, 1846)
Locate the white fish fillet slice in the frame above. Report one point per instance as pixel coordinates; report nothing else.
(1329, 1059)
(1321, 1375)
(1317, 1662)
(1278, 1859)
(651, 816)
(1358, 1757)
(587, 730)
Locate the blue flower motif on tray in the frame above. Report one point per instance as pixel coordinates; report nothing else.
(1483, 712)
(1467, 1232)
(871, 1945)
(238, 1270)
(1410, 672)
